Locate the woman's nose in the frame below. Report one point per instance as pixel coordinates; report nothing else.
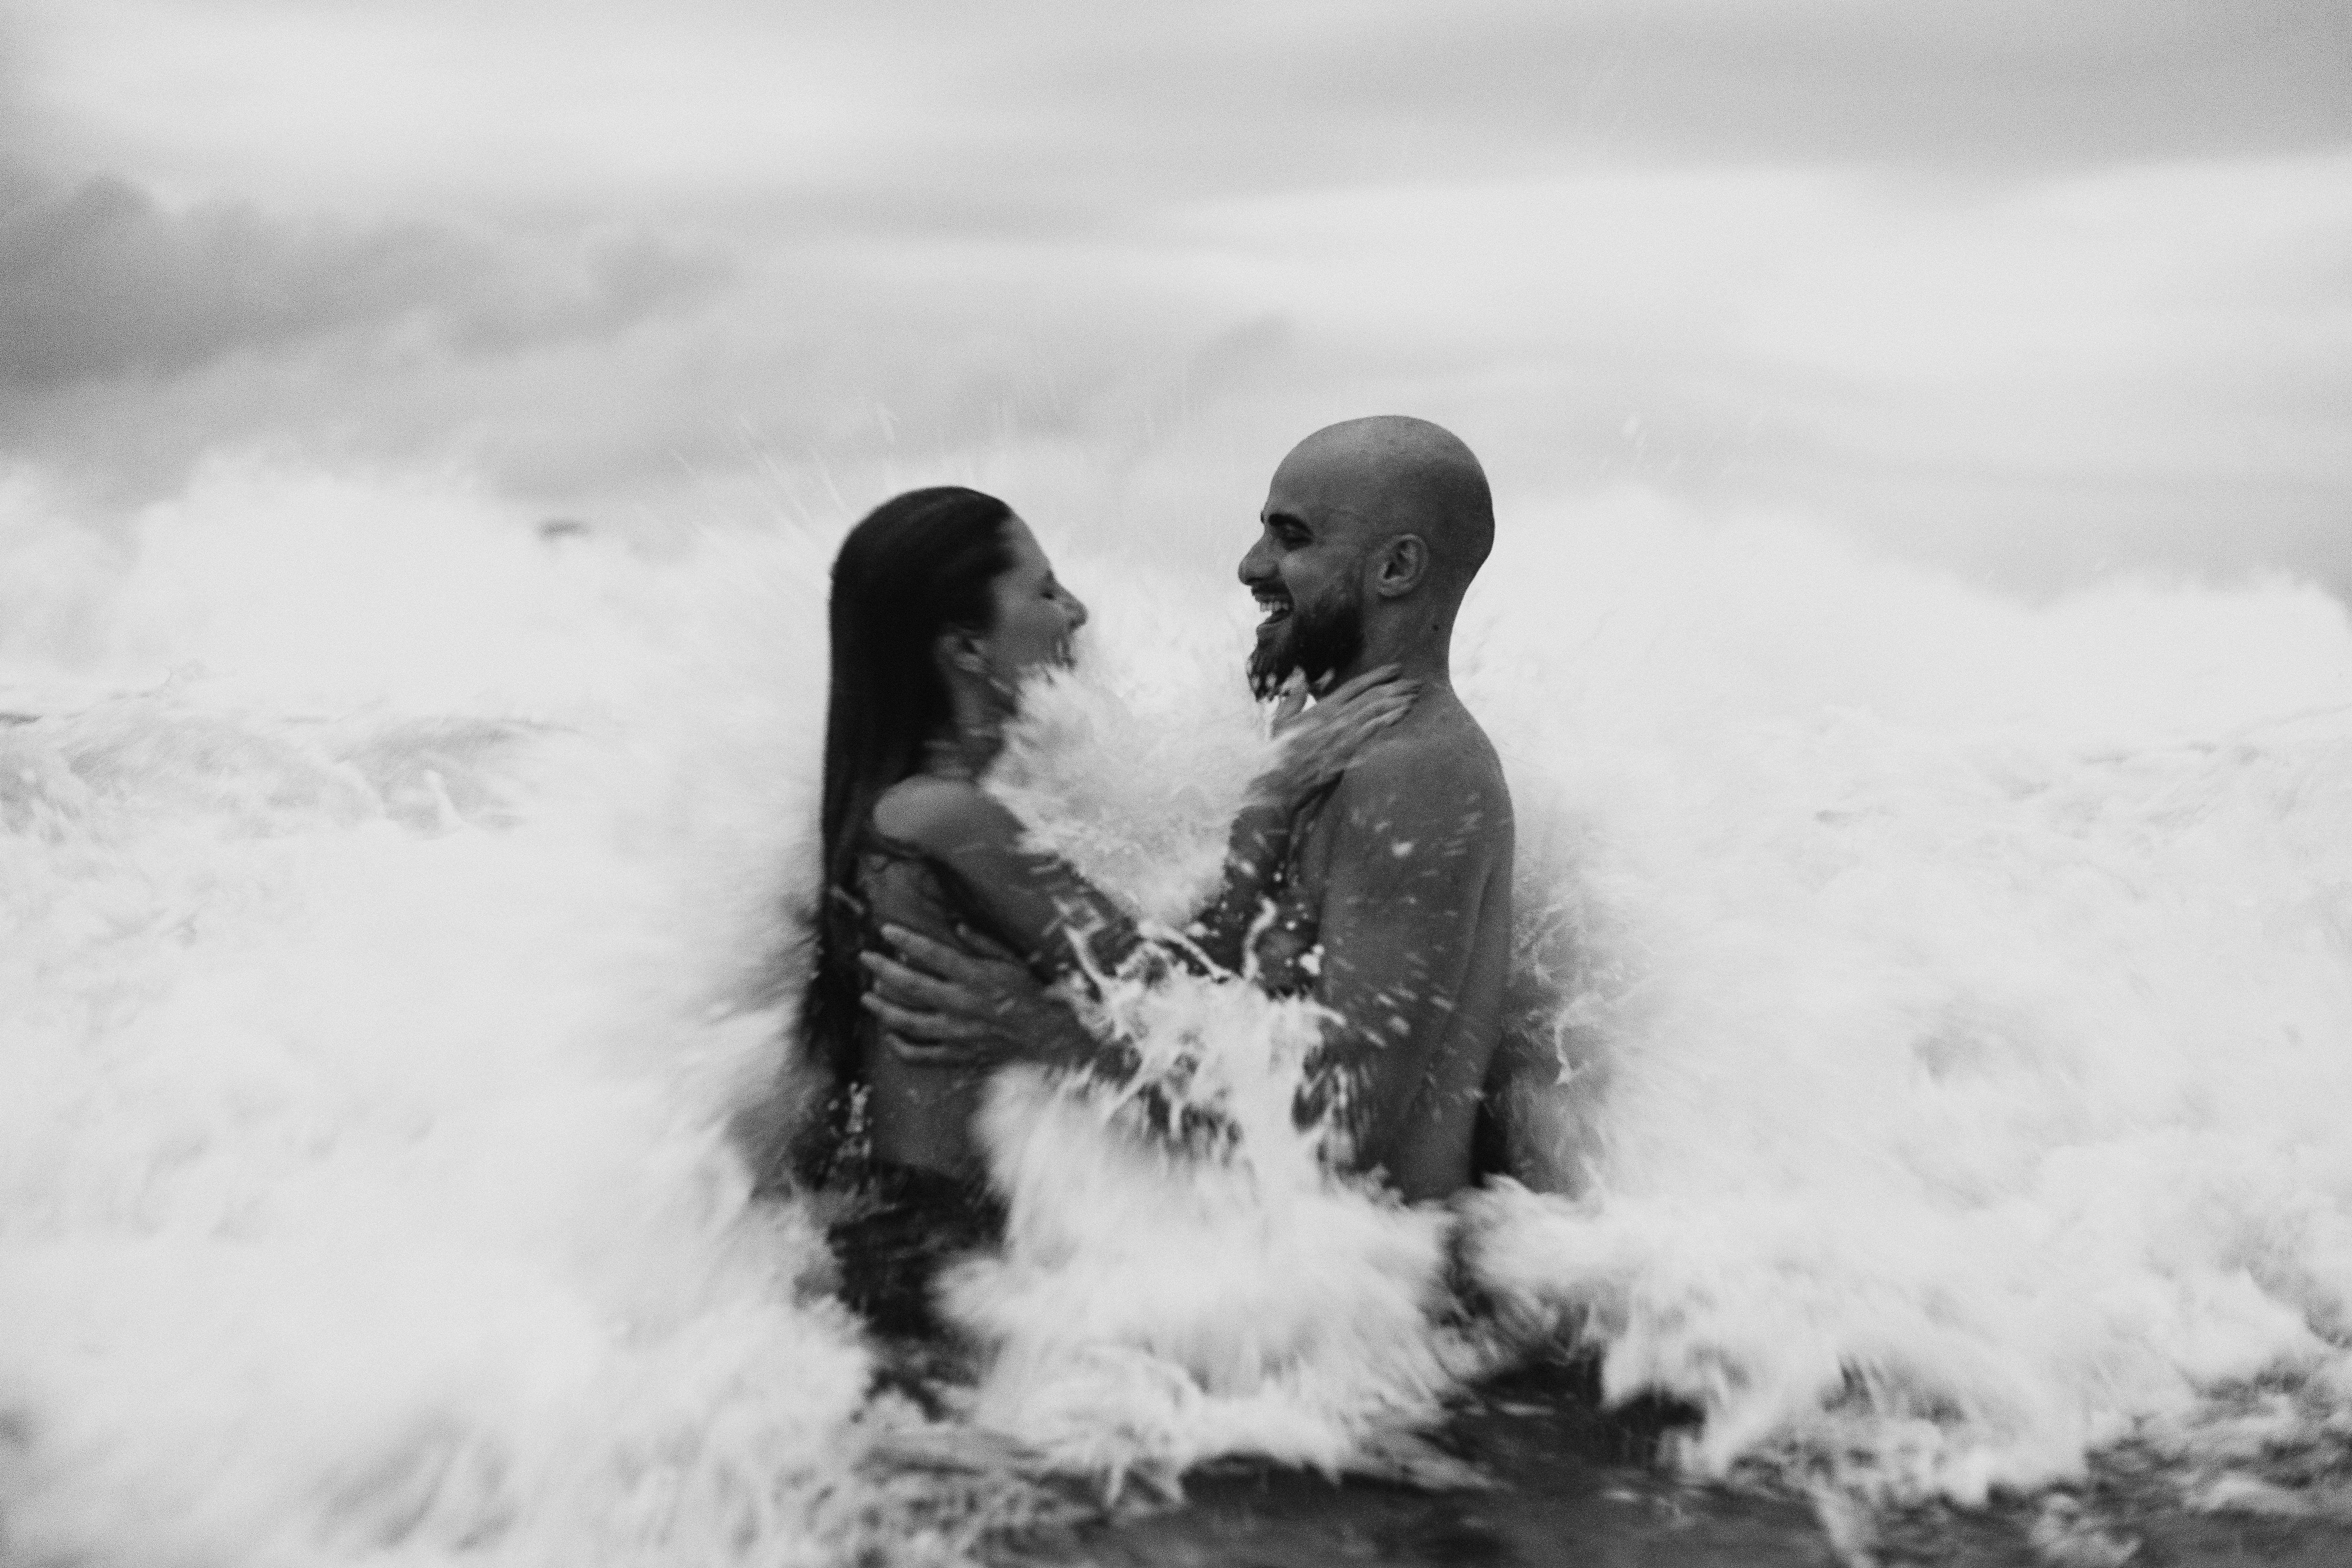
(1078, 611)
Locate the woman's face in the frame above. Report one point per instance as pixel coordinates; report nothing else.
(1035, 616)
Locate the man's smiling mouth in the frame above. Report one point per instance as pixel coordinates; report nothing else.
(1272, 607)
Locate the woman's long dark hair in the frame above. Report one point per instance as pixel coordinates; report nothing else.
(919, 564)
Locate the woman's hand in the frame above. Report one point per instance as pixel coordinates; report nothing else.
(1319, 743)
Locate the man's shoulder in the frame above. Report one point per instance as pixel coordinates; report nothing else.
(1444, 754)
(1433, 777)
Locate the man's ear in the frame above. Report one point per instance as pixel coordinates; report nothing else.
(1404, 561)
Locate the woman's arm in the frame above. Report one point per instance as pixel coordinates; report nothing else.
(1034, 921)
(1318, 744)
(1254, 861)
(976, 1004)
(1057, 924)
(1033, 902)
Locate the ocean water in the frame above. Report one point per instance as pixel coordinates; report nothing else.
(1937, 1010)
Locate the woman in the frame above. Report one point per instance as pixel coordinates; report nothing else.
(943, 606)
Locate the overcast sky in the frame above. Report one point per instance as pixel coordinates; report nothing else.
(2032, 288)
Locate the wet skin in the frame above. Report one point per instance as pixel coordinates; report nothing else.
(1400, 882)
(951, 871)
(922, 1110)
(1397, 880)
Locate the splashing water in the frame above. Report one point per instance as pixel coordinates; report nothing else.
(1151, 1310)
(1951, 998)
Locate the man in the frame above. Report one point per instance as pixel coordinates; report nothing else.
(1399, 881)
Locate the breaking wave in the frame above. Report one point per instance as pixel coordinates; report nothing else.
(1947, 1004)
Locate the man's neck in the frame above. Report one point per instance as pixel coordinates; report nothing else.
(1427, 660)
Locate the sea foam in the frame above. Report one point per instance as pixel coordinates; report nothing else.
(1940, 1006)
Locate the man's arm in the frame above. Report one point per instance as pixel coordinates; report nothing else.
(985, 1008)
(940, 1006)
(1317, 745)
(1413, 847)
(1418, 834)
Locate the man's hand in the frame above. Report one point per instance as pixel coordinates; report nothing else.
(942, 1006)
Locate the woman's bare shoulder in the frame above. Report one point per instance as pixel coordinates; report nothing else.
(941, 814)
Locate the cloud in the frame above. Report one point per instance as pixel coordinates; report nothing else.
(104, 283)
(2004, 84)
(135, 337)
(421, 104)
(937, 113)
(2025, 287)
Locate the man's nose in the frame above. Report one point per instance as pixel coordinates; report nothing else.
(1078, 611)
(1256, 565)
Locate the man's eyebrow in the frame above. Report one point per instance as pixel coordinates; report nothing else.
(1287, 519)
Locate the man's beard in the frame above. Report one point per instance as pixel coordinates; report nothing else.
(1317, 641)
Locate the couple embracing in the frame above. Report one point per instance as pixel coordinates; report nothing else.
(1370, 870)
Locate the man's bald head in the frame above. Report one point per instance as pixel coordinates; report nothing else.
(1369, 534)
(1402, 475)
